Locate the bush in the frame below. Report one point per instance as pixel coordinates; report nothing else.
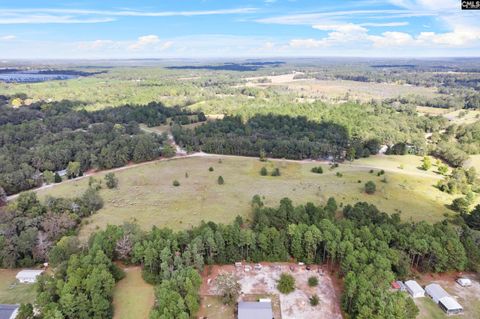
(263, 171)
(313, 281)
(370, 187)
(338, 174)
(276, 172)
(314, 300)
(210, 169)
(317, 170)
(111, 180)
(286, 284)
(220, 180)
(176, 183)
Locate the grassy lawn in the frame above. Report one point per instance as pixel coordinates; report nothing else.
(133, 298)
(12, 292)
(429, 309)
(146, 194)
(212, 308)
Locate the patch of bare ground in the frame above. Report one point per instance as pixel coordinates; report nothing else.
(263, 283)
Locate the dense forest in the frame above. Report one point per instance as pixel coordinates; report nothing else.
(368, 248)
(47, 137)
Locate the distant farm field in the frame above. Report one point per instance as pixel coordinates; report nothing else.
(12, 292)
(133, 298)
(146, 194)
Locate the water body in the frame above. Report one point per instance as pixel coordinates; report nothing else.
(32, 76)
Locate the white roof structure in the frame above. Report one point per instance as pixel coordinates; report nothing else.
(414, 289)
(450, 305)
(28, 275)
(257, 310)
(464, 282)
(436, 292)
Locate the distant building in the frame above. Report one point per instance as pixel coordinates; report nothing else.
(8, 311)
(255, 310)
(62, 173)
(443, 299)
(464, 282)
(414, 289)
(28, 276)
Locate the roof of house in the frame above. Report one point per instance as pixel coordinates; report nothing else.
(29, 273)
(436, 291)
(6, 311)
(395, 285)
(450, 304)
(414, 287)
(257, 310)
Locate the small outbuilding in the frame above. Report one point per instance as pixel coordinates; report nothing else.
(464, 282)
(436, 292)
(257, 310)
(28, 276)
(450, 306)
(8, 311)
(414, 289)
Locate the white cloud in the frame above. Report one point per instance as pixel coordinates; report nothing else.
(384, 24)
(50, 15)
(7, 37)
(46, 18)
(143, 41)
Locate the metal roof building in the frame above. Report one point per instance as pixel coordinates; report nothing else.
(28, 276)
(450, 306)
(257, 310)
(436, 292)
(414, 289)
(8, 311)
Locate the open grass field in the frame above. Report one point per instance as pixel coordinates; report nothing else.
(133, 298)
(335, 89)
(12, 292)
(146, 194)
(211, 307)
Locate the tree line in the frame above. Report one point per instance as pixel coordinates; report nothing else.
(367, 247)
(48, 136)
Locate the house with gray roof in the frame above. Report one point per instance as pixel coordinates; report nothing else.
(8, 311)
(255, 310)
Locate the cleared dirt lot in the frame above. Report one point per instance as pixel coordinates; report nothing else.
(294, 305)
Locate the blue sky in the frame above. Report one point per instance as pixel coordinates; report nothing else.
(256, 28)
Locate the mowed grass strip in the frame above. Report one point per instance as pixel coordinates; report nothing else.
(146, 195)
(12, 292)
(133, 298)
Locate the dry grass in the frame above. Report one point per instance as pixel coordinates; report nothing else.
(133, 298)
(339, 89)
(146, 194)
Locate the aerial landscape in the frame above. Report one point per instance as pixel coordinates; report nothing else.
(259, 159)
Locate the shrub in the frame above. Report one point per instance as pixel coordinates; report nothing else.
(276, 172)
(338, 174)
(286, 284)
(263, 171)
(317, 170)
(220, 180)
(210, 169)
(370, 187)
(313, 281)
(314, 300)
(176, 183)
(111, 180)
